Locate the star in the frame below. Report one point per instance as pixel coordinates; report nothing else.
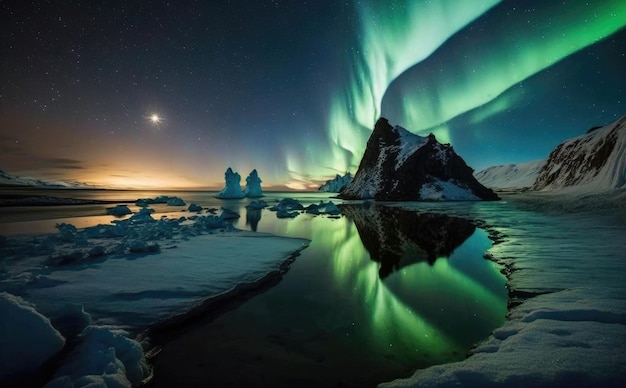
(155, 118)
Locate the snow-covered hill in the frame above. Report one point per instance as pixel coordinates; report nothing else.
(14, 180)
(400, 166)
(510, 176)
(593, 162)
(336, 184)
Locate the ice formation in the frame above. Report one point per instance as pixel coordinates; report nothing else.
(119, 210)
(104, 357)
(253, 185)
(27, 338)
(194, 208)
(232, 190)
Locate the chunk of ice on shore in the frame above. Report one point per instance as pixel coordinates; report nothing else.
(27, 338)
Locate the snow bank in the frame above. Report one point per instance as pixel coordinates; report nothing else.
(561, 339)
(104, 358)
(27, 338)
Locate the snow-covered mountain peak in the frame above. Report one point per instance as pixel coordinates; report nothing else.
(398, 165)
(409, 143)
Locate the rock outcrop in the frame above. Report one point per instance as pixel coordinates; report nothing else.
(400, 166)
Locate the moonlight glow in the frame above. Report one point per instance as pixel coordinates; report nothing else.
(155, 118)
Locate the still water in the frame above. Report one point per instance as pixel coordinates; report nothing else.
(378, 293)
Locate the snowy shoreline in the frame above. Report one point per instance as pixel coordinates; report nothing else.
(566, 324)
(127, 275)
(215, 305)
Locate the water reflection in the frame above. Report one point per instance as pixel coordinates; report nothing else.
(396, 238)
(428, 310)
(253, 216)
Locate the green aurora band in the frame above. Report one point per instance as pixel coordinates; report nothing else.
(391, 74)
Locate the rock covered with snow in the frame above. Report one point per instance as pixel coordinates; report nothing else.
(27, 338)
(253, 185)
(336, 184)
(232, 189)
(511, 176)
(593, 162)
(400, 166)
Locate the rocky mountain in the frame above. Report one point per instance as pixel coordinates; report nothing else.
(510, 176)
(400, 166)
(336, 184)
(593, 162)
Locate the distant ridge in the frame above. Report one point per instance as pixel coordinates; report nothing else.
(15, 180)
(510, 176)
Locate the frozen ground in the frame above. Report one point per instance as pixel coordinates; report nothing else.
(569, 253)
(128, 275)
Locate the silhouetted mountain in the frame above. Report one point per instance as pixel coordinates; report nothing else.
(400, 166)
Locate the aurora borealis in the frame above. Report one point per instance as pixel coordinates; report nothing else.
(293, 88)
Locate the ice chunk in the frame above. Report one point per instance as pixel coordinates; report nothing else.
(119, 210)
(287, 204)
(143, 216)
(194, 208)
(175, 201)
(253, 185)
(27, 338)
(103, 358)
(232, 188)
(228, 214)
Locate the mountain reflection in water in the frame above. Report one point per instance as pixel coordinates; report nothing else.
(396, 238)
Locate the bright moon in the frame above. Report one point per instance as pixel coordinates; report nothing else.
(155, 119)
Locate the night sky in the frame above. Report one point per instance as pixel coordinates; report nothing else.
(293, 88)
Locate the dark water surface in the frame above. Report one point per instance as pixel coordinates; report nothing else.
(379, 292)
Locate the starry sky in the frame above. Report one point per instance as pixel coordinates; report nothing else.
(293, 88)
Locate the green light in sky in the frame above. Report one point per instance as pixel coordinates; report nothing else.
(390, 74)
(395, 35)
(477, 74)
